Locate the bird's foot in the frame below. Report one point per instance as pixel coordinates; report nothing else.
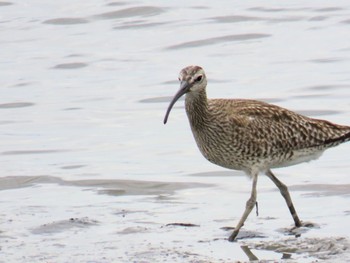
(297, 231)
(242, 234)
(305, 224)
(233, 236)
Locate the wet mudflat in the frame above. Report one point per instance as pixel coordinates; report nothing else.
(89, 173)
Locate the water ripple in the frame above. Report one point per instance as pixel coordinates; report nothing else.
(12, 105)
(131, 12)
(5, 3)
(215, 40)
(72, 65)
(66, 21)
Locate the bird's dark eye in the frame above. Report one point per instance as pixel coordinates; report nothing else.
(199, 78)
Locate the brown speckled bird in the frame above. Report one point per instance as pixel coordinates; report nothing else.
(252, 136)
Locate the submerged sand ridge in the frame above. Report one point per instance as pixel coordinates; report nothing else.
(112, 187)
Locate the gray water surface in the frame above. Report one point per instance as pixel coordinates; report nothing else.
(89, 173)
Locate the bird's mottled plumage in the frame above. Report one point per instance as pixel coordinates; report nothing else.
(251, 135)
(242, 134)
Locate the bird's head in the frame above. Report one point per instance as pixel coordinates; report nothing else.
(192, 80)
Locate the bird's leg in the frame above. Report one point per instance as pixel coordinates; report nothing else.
(248, 208)
(285, 193)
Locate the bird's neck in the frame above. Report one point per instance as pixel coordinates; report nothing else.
(197, 109)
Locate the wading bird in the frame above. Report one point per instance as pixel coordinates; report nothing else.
(253, 136)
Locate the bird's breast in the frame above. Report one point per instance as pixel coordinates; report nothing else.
(218, 148)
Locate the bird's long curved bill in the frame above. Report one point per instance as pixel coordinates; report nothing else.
(183, 89)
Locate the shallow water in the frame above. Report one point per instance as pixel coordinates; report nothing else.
(89, 173)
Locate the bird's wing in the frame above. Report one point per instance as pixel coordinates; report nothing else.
(279, 128)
